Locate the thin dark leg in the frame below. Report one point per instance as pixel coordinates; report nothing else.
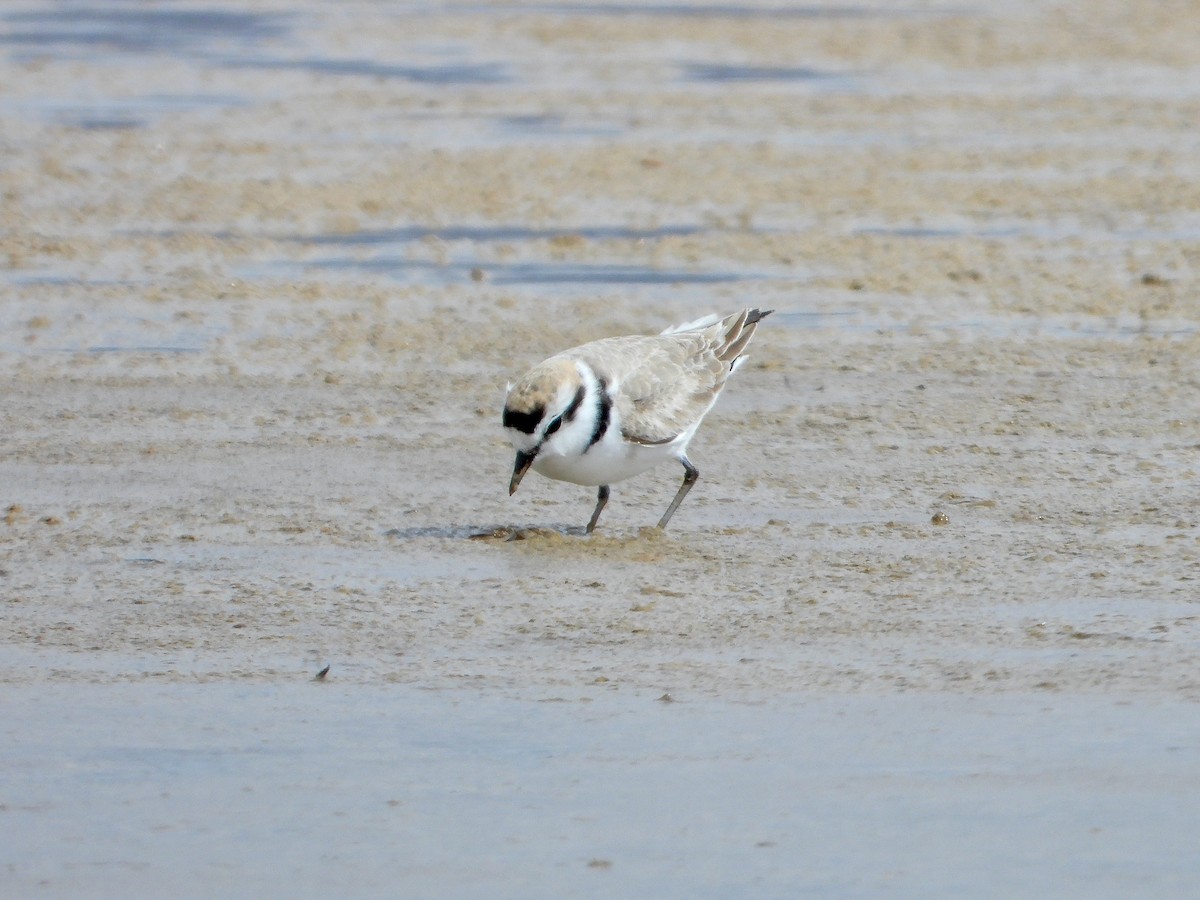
(601, 499)
(691, 473)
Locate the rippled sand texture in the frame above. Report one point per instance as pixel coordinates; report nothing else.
(269, 272)
(269, 267)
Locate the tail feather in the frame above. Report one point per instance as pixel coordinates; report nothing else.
(739, 334)
(697, 325)
(753, 316)
(738, 327)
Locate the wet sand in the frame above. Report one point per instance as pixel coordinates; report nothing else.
(268, 272)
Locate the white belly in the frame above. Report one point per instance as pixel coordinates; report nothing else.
(607, 462)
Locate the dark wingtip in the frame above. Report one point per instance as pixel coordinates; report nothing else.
(757, 315)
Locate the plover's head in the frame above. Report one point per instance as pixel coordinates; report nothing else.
(540, 411)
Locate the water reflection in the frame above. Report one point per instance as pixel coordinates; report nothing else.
(452, 74)
(719, 73)
(488, 233)
(702, 10)
(138, 30)
(532, 273)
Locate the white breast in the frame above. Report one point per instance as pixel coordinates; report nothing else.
(608, 461)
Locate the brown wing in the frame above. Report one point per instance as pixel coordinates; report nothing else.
(669, 381)
(676, 384)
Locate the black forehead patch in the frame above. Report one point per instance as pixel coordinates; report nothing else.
(526, 422)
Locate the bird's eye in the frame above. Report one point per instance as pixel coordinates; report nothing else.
(553, 426)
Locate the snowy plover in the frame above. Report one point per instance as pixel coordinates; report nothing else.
(613, 408)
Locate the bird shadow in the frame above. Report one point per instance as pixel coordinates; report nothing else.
(496, 533)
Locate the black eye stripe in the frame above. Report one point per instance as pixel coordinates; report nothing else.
(568, 414)
(529, 421)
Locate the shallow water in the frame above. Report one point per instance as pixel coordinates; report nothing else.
(356, 790)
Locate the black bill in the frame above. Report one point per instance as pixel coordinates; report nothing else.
(520, 467)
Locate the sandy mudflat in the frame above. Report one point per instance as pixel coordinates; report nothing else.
(267, 270)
